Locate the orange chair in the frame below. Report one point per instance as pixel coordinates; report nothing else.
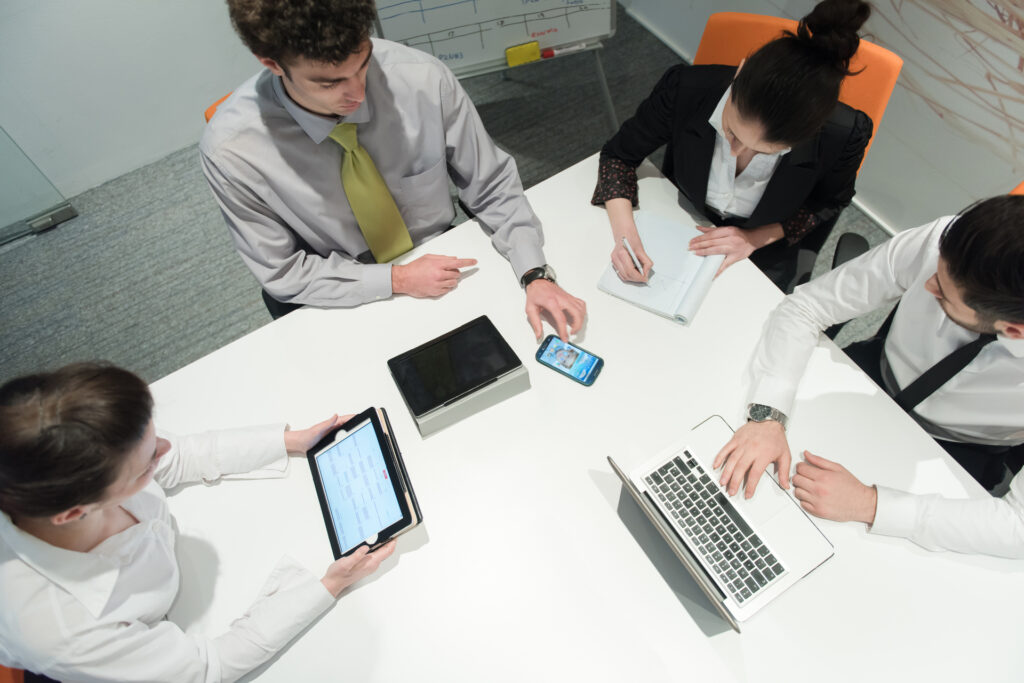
(730, 37)
(210, 111)
(11, 675)
(1018, 190)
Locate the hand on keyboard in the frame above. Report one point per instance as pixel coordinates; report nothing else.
(752, 448)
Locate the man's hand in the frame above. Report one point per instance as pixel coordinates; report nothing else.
(827, 489)
(623, 263)
(735, 243)
(544, 296)
(748, 453)
(344, 572)
(429, 275)
(299, 441)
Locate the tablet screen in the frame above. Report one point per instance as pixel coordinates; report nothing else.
(357, 487)
(452, 365)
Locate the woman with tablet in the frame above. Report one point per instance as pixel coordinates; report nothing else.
(87, 559)
(765, 150)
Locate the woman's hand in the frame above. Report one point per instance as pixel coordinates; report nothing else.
(623, 262)
(728, 239)
(344, 572)
(736, 243)
(299, 441)
(620, 215)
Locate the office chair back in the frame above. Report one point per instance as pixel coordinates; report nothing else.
(11, 675)
(210, 111)
(730, 37)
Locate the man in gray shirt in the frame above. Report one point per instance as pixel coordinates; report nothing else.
(275, 171)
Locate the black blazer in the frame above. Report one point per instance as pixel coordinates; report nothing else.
(812, 183)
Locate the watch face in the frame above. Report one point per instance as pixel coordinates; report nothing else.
(759, 413)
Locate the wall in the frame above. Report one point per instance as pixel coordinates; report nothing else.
(92, 90)
(954, 128)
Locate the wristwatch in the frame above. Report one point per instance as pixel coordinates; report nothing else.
(544, 272)
(757, 412)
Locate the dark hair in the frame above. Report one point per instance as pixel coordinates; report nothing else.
(65, 436)
(326, 31)
(983, 249)
(791, 85)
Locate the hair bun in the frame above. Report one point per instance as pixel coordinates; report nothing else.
(832, 27)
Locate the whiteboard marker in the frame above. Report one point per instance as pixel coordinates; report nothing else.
(549, 52)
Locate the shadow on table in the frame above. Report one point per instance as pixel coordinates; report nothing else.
(689, 594)
(661, 556)
(414, 539)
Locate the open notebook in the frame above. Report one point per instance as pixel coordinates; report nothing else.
(679, 280)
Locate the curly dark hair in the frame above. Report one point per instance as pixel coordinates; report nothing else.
(327, 31)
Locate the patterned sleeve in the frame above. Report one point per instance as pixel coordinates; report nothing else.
(835, 190)
(615, 178)
(647, 130)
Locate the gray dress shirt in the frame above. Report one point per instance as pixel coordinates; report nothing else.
(276, 176)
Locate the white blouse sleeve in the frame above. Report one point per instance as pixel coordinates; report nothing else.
(252, 452)
(289, 601)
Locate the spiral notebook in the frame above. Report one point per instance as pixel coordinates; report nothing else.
(679, 280)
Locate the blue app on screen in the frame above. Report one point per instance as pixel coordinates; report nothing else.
(569, 359)
(357, 487)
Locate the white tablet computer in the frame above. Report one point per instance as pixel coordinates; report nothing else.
(362, 484)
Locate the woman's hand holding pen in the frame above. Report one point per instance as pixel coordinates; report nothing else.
(624, 263)
(620, 215)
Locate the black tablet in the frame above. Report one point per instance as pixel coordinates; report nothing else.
(451, 366)
(362, 485)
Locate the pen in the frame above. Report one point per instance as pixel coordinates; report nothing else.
(549, 52)
(632, 255)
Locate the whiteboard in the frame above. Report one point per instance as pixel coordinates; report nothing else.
(470, 36)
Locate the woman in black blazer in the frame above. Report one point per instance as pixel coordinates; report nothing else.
(772, 164)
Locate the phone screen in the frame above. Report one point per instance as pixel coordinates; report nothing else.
(570, 359)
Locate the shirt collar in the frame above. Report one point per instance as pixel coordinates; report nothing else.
(89, 578)
(716, 122)
(1014, 346)
(315, 126)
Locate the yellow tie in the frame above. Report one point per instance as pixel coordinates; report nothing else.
(371, 201)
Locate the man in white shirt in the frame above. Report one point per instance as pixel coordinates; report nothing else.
(960, 284)
(274, 152)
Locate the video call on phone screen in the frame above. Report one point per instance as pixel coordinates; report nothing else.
(569, 359)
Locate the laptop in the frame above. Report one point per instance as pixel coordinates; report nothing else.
(742, 553)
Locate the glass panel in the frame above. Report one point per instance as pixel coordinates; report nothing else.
(25, 192)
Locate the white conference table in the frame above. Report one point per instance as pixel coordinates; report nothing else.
(533, 563)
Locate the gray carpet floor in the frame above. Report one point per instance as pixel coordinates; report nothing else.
(146, 277)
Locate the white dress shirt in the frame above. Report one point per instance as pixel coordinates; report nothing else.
(277, 178)
(728, 193)
(100, 615)
(984, 403)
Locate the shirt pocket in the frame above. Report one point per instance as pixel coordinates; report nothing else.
(424, 200)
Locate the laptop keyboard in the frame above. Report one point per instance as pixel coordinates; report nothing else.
(714, 527)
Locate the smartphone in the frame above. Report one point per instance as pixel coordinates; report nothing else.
(570, 360)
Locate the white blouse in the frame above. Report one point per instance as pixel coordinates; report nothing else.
(728, 193)
(100, 615)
